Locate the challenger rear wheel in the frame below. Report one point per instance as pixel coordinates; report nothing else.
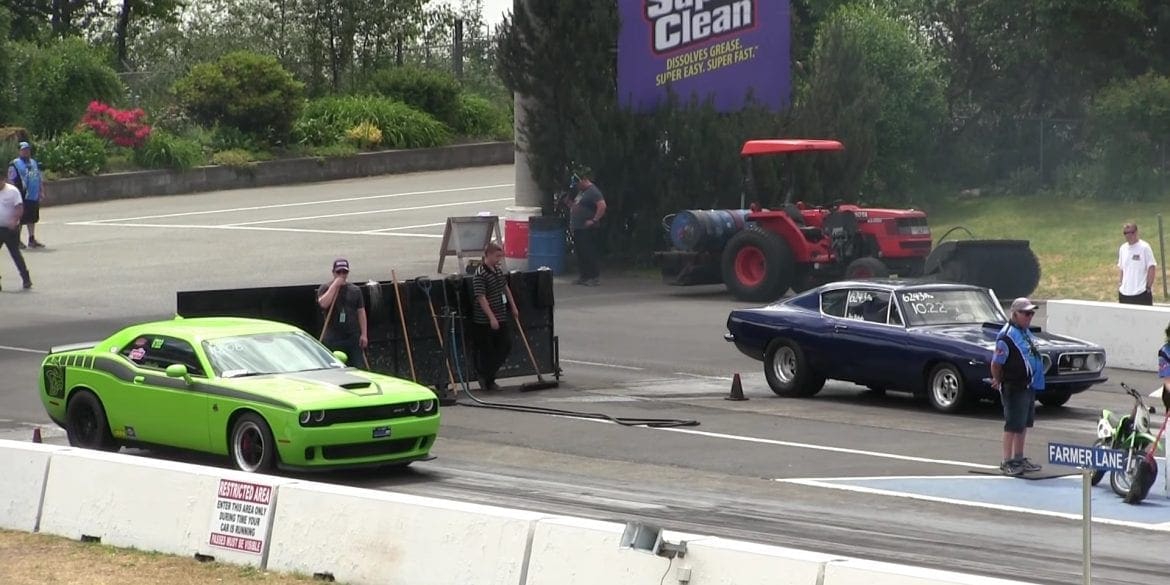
(757, 266)
(252, 447)
(86, 423)
(787, 370)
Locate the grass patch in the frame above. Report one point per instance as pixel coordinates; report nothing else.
(34, 559)
(1075, 240)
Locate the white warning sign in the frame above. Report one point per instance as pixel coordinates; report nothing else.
(241, 516)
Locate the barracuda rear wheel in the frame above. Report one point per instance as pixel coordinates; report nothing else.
(252, 447)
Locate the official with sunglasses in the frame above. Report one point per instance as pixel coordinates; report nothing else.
(1017, 372)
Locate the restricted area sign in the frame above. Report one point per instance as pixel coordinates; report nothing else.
(1102, 458)
(241, 516)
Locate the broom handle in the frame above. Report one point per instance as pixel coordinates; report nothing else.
(405, 334)
(524, 338)
(328, 316)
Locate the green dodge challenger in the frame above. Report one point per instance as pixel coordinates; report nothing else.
(263, 393)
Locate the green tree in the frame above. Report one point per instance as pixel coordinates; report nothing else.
(57, 82)
(246, 91)
(138, 10)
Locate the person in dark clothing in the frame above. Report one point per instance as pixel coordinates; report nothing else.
(1017, 372)
(491, 324)
(11, 210)
(585, 213)
(345, 313)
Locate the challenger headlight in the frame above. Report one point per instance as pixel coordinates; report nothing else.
(428, 406)
(312, 418)
(414, 407)
(319, 416)
(306, 416)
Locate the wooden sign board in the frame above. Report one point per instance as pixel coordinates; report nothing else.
(468, 237)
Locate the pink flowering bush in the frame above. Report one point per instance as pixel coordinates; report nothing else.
(125, 128)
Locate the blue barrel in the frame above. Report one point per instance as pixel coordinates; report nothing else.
(699, 230)
(546, 243)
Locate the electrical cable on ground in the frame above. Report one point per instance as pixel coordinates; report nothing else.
(455, 343)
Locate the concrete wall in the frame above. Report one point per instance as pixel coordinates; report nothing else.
(1130, 334)
(362, 536)
(279, 172)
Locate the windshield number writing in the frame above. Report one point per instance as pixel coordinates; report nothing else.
(928, 308)
(915, 297)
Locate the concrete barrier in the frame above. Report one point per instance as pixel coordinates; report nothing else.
(1130, 334)
(22, 483)
(361, 536)
(719, 561)
(155, 505)
(862, 572)
(577, 551)
(277, 172)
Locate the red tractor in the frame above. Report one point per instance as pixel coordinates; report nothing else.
(759, 254)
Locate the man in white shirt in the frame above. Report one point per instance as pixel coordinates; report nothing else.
(11, 210)
(1135, 267)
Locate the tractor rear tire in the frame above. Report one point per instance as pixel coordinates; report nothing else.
(758, 266)
(867, 267)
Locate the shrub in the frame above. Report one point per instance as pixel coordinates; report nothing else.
(233, 158)
(58, 81)
(478, 117)
(434, 92)
(251, 92)
(164, 150)
(125, 128)
(76, 153)
(401, 125)
(364, 135)
(1129, 121)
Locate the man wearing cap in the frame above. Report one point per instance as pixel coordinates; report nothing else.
(11, 208)
(345, 316)
(585, 213)
(1017, 372)
(1135, 269)
(26, 175)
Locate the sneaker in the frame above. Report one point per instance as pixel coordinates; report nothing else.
(27, 284)
(22, 246)
(592, 282)
(1011, 468)
(1027, 466)
(580, 281)
(35, 244)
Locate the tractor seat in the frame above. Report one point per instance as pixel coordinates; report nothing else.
(811, 233)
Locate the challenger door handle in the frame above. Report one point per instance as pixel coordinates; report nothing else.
(840, 327)
(139, 379)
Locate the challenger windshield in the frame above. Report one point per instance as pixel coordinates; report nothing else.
(267, 353)
(948, 307)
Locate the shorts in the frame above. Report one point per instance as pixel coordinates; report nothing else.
(1019, 407)
(32, 212)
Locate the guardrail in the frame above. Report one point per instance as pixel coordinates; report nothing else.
(1130, 334)
(365, 536)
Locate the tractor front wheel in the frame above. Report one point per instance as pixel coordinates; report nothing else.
(757, 266)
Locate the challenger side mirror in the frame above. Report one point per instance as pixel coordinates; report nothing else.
(178, 371)
(340, 355)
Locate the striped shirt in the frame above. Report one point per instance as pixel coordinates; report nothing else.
(489, 283)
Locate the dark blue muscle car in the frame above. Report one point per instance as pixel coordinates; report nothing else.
(932, 339)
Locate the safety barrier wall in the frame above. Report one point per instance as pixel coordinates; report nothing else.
(362, 536)
(1130, 334)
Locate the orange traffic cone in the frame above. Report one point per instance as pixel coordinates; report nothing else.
(736, 389)
(37, 434)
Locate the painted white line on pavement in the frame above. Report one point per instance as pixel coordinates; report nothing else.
(405, 227)
(702, 377)
(367, 212)
(600, 365)
(812, 446)
(972, 504)
(24, 349)
(299, 204)
(173, 226)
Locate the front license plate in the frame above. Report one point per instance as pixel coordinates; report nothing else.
(381, 432)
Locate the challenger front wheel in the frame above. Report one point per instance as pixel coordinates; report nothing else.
(252, 447)
(86, 423)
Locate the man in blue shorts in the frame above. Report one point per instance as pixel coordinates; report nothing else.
(1017, 372)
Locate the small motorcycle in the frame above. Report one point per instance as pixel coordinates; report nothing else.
(1130, 433)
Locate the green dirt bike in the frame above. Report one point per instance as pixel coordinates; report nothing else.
(1130, 433)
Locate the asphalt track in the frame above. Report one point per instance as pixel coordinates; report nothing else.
(847, 472)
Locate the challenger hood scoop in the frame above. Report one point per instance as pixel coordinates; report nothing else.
(340, 378)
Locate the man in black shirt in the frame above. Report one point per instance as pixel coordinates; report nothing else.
(490, 324)
(345, 312)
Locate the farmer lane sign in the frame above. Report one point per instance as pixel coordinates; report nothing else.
(1086, 457)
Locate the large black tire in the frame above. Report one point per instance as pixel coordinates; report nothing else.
(250, 444)
(946, 390)
(86, 423)
(758, 266)
(1143, 480)
(788, 372)
(1053, 398)
(867, 267)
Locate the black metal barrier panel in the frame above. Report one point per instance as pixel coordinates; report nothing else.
(451, 300)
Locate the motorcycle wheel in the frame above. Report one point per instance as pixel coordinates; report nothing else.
(1098, 473)
(1145, 473)
(1121, 481)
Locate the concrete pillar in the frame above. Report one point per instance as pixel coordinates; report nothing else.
(527, 193)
